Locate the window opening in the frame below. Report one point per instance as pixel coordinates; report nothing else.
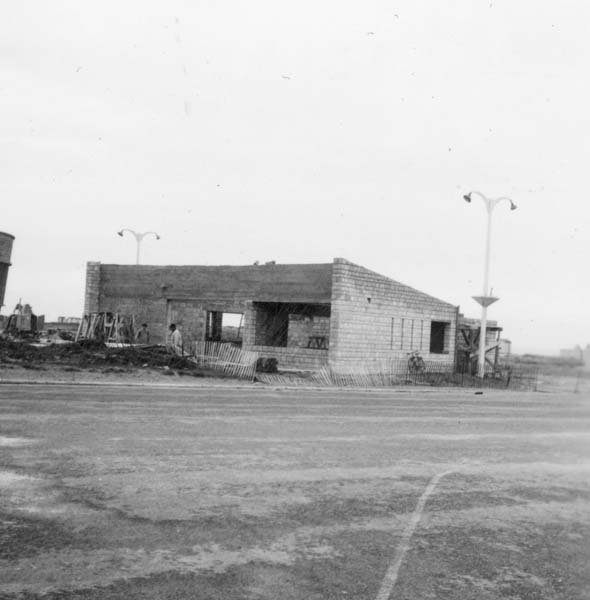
(401, 345)
(291, 324)
(392, 330)
(438, 337)
(224, 327)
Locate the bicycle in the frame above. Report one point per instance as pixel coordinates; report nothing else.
(416, 362)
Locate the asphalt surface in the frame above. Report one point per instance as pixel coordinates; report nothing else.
(113, 492)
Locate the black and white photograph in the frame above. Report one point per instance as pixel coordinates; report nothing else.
(293, 300)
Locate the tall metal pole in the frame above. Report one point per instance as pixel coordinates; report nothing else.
(486, 299)
(138, 239)
(481, 358)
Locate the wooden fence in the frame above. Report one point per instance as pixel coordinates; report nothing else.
(399, 373)
(225, 357)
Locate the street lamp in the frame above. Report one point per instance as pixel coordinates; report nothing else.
(138, 238)
(486, 299)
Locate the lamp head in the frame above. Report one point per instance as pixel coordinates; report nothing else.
(120, 233)
(157, 236)
(512, 205)
(467, 197)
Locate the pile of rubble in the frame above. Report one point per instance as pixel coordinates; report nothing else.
(88, 354)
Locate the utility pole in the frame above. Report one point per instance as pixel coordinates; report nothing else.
(486, 299)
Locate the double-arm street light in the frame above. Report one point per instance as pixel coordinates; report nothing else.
(138, 238)
(486, 299)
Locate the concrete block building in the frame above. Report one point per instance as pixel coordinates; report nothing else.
(306, 316)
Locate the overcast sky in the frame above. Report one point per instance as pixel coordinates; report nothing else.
(301, 131)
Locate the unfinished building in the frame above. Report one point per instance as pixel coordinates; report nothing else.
(305, 316)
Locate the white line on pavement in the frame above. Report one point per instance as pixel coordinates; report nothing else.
(391, 575)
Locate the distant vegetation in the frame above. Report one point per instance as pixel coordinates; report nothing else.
(554, 365)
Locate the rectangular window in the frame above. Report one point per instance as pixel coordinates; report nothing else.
(392, 330)
(439, 338)
(401, 345)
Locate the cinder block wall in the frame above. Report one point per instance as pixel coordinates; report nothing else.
(92, 293)
(159, 295)
(249, 327)
(190, 318)
(375, 318)
(155, 296)
(301, 328)
(295, 359)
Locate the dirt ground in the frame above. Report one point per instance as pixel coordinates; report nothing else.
(210, 493)
(120, 377)
(93, 362)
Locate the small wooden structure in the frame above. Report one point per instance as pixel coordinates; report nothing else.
(23, 322)
(467, 347)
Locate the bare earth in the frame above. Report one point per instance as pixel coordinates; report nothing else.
(219, 493)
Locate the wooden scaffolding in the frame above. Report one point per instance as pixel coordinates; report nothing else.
(468, 332)
(106, 327)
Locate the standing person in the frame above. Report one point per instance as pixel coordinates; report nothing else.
(175, 340)
(143, 335)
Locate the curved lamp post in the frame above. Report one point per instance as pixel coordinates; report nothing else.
(138, 238)
(486, 299)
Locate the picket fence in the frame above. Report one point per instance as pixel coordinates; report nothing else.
(227, 358)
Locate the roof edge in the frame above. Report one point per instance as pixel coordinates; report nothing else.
(395, 281)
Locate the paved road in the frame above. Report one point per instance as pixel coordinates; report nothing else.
(110, 492)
